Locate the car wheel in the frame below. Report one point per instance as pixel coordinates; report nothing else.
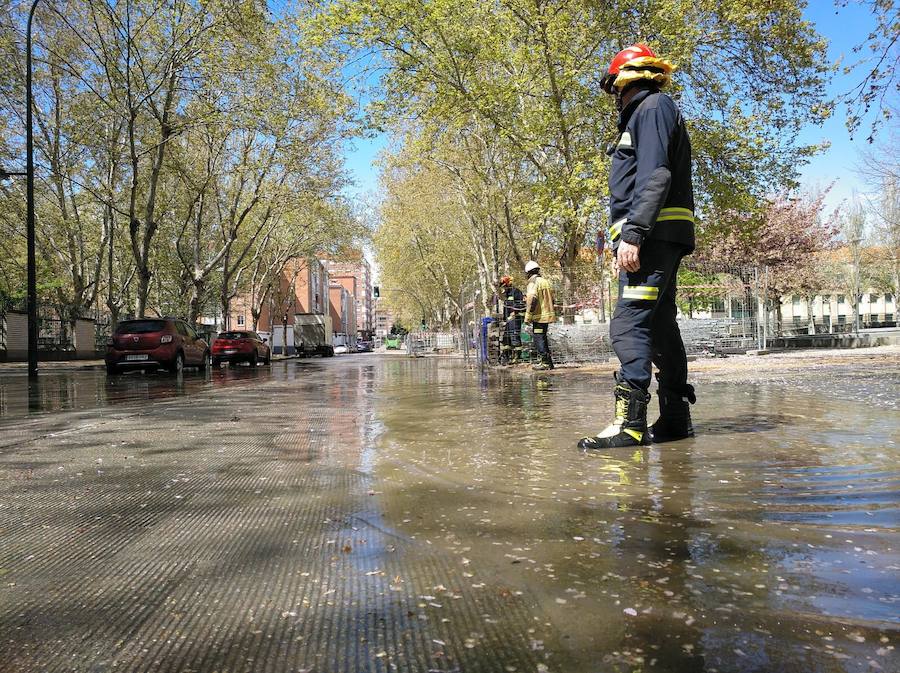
(177, 365)
(329, 352)
(216, 363)
(111, 369)
(253, 359)
(268, 359)
(204, 363)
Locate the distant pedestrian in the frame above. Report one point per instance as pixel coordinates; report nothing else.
(652, 227)
(513, 308)
(539, 312)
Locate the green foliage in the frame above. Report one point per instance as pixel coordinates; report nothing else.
(181, 148)
(525, 75)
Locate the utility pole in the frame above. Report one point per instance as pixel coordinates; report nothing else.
(29, 196)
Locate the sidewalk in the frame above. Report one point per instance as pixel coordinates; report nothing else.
(54, 365)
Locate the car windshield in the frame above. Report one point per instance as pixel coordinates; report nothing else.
(140, 326)
(233, 335)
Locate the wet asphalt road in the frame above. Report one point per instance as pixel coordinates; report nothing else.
(375, 513)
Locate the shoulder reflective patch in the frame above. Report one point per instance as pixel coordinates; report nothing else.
(625, 140)
(645, 292)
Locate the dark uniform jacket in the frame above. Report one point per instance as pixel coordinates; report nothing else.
(650, 190)
(513, 301)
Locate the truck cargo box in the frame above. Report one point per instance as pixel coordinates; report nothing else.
(313, 335)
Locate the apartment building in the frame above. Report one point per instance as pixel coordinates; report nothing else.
(303, 287)
(384, 320)
(342, 305)
(356, 267)
(876, 309)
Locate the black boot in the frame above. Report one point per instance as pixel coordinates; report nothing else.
(674, 420)
(629, 427)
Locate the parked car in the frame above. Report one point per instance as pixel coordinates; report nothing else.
(364, 346)
(240, 346)
(341, 343)
(155, 342)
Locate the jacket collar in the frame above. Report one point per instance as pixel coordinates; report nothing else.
(629, 109)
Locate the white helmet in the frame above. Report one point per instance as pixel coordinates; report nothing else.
(531, 266)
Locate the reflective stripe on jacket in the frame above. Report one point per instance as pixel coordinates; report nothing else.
(650, 190)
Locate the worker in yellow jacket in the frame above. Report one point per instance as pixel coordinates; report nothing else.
(539, 312)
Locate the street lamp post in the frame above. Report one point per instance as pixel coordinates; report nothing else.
(29, 197)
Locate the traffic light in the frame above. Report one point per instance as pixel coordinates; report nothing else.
(377, 292)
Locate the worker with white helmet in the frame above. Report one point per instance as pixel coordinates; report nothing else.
(539, 312)
(651, 227)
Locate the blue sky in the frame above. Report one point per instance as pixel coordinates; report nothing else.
(843, 27)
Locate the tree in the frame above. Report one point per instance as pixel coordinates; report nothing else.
(885, 214)
(525, 73)
(882, 56)
(425, 251)
(853, 229)
(789, 238)
(171, 138)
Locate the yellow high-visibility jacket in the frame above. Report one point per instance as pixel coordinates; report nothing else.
(539, 287)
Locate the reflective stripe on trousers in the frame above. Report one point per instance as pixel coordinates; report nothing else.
(643, 329)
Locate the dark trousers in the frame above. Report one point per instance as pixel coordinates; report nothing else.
(541, 342)
(512, 337)
(643, 329)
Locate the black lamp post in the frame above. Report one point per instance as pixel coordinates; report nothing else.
(29, 196)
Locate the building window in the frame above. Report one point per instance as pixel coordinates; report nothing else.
(842, 320)
(888, 298)
(842, 299)
(873, 298)
(240, 320)
(826, 305)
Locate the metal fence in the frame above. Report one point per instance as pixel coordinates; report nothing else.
(722, 310)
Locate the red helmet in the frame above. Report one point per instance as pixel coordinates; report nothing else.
(628, 54)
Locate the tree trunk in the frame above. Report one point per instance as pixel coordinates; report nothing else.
(143, 291)
(197, 292)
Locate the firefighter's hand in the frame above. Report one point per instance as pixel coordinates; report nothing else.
(629, 257)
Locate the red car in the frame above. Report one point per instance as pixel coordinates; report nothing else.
(160, 342)
(240, 346)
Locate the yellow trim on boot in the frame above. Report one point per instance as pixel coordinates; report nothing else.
(638, 436)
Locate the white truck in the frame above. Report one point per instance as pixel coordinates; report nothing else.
(313, 334)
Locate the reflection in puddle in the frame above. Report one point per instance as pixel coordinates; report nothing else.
(769, 542)
(87, 389)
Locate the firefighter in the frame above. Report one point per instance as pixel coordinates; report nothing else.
(651, 229)
(539, 312)
(513, 308)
